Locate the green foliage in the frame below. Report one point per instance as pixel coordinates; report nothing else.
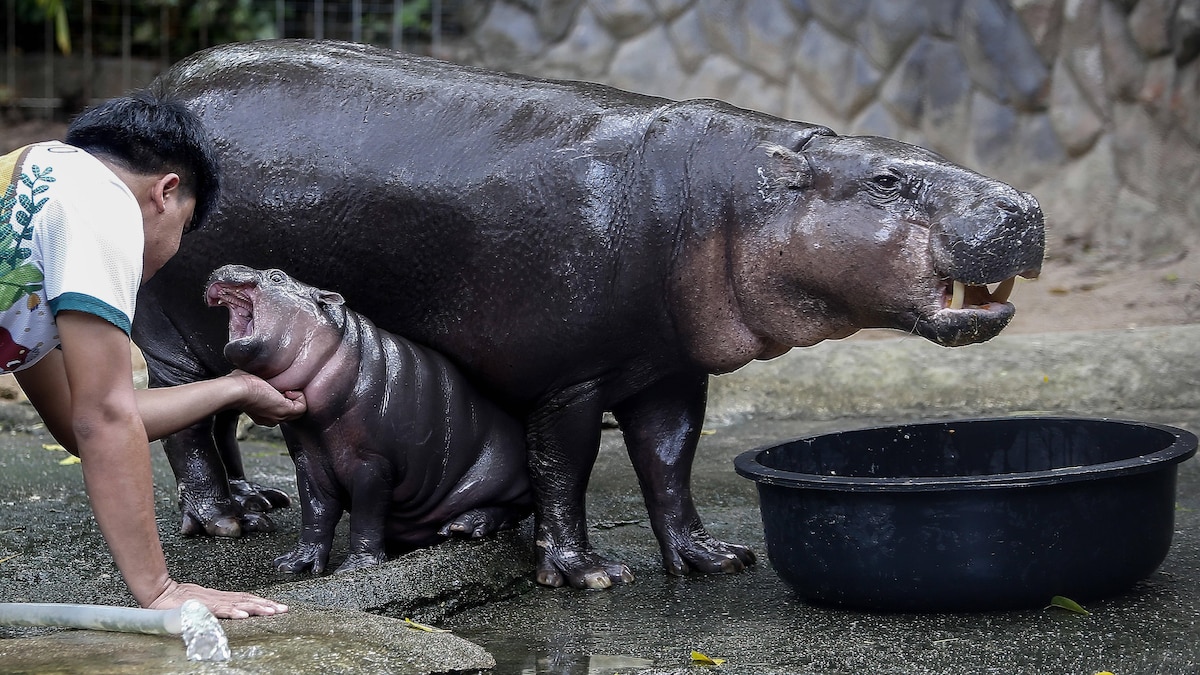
(176, 28)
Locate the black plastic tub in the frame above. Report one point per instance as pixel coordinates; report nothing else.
(969, 515)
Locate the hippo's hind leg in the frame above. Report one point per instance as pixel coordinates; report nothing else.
(661, 425)
(483, 521)
(563, 440)
(252, 496)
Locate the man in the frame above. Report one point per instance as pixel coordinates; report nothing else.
(82, 225)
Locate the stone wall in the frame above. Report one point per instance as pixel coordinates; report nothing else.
(1093, 105)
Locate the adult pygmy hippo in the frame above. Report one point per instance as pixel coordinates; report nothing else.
(393, 432)
(574, 249)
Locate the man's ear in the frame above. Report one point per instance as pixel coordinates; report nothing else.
(166, 187)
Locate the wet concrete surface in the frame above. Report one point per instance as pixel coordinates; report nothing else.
(50, 550)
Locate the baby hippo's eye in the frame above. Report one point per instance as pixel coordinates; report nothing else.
(276, 276)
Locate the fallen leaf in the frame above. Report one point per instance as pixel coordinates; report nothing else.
(4, 560)
(71, 459)
(1104, 672)
(703, 660)
(1067, 604)
(421, 626)
(53, 447)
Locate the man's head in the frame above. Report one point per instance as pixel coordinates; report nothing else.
(148, 134)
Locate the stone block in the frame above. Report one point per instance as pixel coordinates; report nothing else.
(624, 18)
(840, 16)
(993, 127)
(717, 77)
(1001, 56)
(646, 64)
(875, 120)
(799, 10)
(889, 28)
(945, 15)
(770, 38)
(803, 106)
(755, 92)
(584, 54)
(555, 18)
(508, 37)
(1149, 24)
(1079, 197)
(1124, 65)
(724, 26)
(1043, 21)
(1075, 121)
(669, 9)
(1185, 31)
(1138, 149)
(1081, 49)
(835, 71)
(689, 38)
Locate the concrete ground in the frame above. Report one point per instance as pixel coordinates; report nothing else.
(50, 550)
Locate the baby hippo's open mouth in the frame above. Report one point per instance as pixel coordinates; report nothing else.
(237, 298)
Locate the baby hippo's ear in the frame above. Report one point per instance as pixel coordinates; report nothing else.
(326, 298)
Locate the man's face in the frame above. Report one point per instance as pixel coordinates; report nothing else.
(162, 237)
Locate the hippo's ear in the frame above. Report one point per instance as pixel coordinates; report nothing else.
(789, 169)
(326, 298)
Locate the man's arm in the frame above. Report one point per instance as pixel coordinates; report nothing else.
(163, 410)
(86, 394)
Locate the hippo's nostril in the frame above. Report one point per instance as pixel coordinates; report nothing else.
(1008, 206)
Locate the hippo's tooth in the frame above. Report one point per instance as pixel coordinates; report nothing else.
(1004, 290)
(956, 300)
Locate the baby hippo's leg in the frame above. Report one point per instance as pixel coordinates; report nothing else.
(320, 513)
(371, 501)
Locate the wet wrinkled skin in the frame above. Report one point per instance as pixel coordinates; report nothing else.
(393, 432)
(573, 249)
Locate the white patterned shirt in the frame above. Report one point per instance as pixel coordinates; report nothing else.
(71, 238)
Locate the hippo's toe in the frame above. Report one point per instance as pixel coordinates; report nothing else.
(255, 497)
(304, 557)
(481, 522)
(581, 570)
(707, 555)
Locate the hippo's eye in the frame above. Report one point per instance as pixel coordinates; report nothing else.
(276, 276)
(886, 181)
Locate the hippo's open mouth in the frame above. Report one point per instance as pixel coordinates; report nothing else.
(965, 313)
(237, 298)
(957, 295)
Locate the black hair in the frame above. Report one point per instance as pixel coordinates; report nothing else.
(148, 133)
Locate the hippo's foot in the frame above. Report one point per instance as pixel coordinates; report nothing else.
(255, 497)
(220, 519)
(585, 569)
(480, 522)
(304, 557)
(356, 561)
(701, 552)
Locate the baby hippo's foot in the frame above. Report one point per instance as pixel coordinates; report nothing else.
(481, 522)
(304, 557)
(357, 561)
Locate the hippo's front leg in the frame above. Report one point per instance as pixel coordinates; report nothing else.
(320, 513)
(662, 425)
(370, 502)
(563, 440)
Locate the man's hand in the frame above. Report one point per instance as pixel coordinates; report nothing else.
(223, 604)
(266, 405)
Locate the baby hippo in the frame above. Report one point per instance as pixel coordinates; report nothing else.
(394, 433)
